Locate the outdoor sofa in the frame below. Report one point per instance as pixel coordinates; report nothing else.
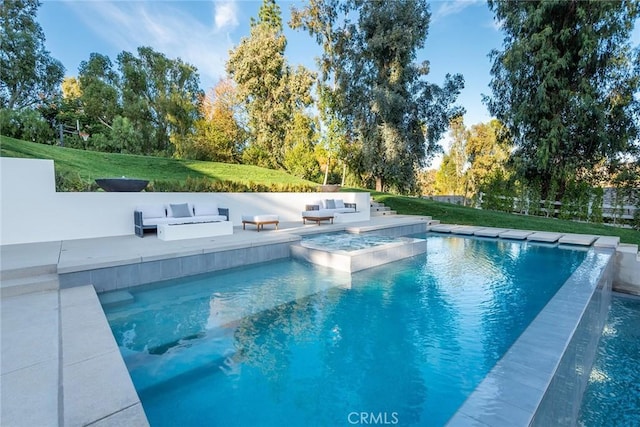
(326, 209)
(148, 217)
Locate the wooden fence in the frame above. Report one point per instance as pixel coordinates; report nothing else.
(613, 209)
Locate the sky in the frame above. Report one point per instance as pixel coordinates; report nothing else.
(461, 35)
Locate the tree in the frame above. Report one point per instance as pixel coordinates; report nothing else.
(451, 179)
(160, 97)
(486, 153)
(565, 85)
(383, 101)
(99, 90)
(218, 135)
(443, 184)
(270, 90)
(320, 19)
(28, 75)
(299, 159)
(458, 155)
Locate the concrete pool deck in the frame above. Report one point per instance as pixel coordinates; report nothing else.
(59, 361)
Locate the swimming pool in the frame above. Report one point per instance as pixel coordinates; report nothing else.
(289, 342)
(612, 396)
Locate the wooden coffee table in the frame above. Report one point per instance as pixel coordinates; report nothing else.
(260, 220)
(317, 219)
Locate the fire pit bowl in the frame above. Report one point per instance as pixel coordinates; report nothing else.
(129, 185)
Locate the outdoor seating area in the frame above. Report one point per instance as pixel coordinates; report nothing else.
(151, 217)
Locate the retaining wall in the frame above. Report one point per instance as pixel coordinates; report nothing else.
(32, 210)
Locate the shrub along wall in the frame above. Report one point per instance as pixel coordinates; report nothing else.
(70, 182)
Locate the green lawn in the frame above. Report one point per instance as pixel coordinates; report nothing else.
(455, 214)
(92, 164)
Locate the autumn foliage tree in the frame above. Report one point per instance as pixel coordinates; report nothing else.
(218, 136)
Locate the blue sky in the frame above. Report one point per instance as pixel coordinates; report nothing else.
(461, 35)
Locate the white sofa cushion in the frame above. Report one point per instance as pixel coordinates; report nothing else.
(170, 212)
(339, 203)
(209, 218)
(156, 221)
(152, 211)
(205, 209)
(321, 212)
(344, 210)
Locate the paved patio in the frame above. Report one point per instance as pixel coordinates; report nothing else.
(60, 364)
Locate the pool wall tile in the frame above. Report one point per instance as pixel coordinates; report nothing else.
(71, 280)
(170, 268)
(554, 355)
(191, 265)
(561, 403)
(127, 276)
(150, 272)
(104, 279)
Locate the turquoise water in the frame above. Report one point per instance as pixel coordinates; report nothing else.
(344, 241)
(612, 397)
(291, 343)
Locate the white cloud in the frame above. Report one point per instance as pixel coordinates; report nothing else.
(446, 8)
(167, 27)
(226, 15)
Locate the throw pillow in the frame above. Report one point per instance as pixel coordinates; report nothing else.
(329, 204)
(206, 209)
(180, 211)
(339, 203)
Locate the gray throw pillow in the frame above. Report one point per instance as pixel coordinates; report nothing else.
(330, 203)
(180, 211)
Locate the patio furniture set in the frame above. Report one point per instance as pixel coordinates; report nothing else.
(191, 220)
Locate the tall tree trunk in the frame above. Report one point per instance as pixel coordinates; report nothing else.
(326, 171)
(379, 183)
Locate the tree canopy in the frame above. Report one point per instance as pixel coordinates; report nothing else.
(29, 75)
(380, 92)
(565, 85)
(271, 90)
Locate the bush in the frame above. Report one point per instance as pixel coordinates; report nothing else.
(28, 125)
(206, 185)
(72, 181)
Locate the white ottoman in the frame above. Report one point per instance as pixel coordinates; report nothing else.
(260, 220)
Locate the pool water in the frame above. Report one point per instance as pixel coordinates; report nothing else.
(612, 396)
(343, 241)
(292, 343)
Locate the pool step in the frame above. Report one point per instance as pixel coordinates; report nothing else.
(29, 284)
(28, 271)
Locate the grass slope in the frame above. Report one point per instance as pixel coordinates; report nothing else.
(455, 214)
(92, 164)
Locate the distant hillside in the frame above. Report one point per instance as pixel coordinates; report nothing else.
(90, 165)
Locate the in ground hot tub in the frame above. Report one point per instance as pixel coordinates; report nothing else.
(354, 252)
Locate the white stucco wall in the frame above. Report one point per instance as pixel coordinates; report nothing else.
(32, 211)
